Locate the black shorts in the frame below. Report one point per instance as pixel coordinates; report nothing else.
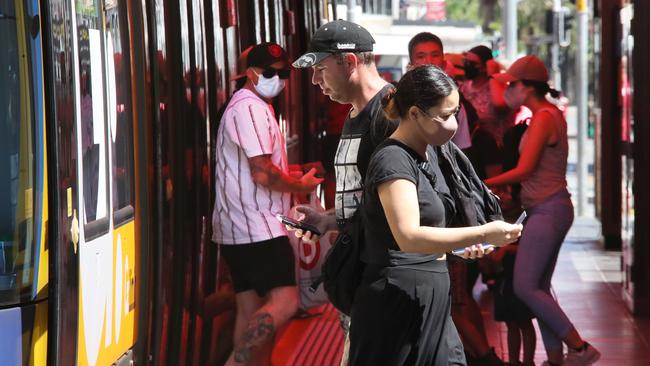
(261, 266)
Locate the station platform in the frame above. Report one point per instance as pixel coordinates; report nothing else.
(587, 283)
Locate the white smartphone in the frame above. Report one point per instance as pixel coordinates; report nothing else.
(460, 251)
(521, 218)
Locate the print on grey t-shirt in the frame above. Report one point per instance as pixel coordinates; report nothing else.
(349, 185)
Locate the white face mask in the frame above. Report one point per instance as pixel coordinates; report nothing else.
(269, 88)
(514, 98)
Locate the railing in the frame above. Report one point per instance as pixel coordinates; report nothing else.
(378, 7)
(404, 10)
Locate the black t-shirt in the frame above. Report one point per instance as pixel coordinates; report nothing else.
(394, 160)
(359, 139)
(483, 152)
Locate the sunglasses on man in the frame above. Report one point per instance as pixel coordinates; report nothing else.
(283, 73)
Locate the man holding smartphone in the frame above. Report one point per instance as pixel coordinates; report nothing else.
(253, 185)
(343, 65)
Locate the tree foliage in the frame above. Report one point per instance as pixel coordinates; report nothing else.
(467, 10)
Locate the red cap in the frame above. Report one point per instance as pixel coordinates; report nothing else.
(526, 68)
(266, 54)
(241, 64)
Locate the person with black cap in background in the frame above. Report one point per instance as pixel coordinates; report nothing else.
(487, 98)
(252, 186)
(485, 94)
(343, 65)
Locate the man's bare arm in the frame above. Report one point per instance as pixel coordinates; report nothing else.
(265, 173)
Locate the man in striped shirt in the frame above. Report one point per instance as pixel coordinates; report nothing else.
(253, 185)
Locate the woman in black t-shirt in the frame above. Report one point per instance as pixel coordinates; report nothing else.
(402, 307)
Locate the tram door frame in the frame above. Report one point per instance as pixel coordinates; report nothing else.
(626, 95)
(106, 237)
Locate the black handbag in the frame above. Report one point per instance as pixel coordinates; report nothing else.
(342, 268)
(475, 203)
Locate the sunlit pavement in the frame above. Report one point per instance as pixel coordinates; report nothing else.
(587, 283)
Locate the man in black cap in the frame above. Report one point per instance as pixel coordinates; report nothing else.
(343, 65)
(253, 185)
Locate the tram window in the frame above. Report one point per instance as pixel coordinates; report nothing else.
(120, 113)
(92, 112)
(16, 159)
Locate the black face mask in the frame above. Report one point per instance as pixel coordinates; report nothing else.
(471, 71)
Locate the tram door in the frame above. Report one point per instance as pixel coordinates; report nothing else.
(626, 80)
(106, 241)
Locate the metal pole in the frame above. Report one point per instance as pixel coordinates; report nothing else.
(352, 7)
(395, 9)
(555, 46)
(510, 29)
(581, 95)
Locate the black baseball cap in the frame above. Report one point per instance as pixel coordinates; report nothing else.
(338, 36)
(266, 54)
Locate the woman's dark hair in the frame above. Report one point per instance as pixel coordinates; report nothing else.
(424, 87)
(483, 52)
(541, 88)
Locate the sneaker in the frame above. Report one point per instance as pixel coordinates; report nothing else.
(587, 356)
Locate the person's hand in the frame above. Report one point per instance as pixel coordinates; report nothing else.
(500, 233)
(295, 171)
(309, 181)
(475, 251)
(311, 216)
(320, 169)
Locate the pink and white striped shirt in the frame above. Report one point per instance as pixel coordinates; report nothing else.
(244, 212)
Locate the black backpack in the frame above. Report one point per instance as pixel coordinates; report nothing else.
(342, 268)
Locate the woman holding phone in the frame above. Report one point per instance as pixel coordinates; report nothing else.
(541, 170)
(401, 309)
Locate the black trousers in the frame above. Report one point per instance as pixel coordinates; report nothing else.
(401, 315)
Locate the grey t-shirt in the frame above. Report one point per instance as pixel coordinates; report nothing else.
(359, 139)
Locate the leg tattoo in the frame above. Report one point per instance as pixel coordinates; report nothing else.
(260, 329)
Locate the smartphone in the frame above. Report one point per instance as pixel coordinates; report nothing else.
(521, 218)
(298, 224)
(460, 251)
